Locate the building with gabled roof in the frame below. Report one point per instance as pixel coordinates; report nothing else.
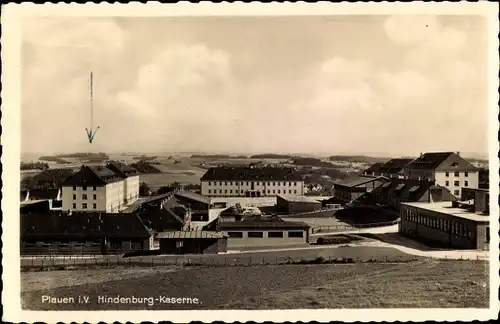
(251, 181)
(100, 189)
(446, 169)
(373, 170)
(355, 187)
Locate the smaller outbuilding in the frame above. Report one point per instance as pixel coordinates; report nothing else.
(192, 242)
(296, 204)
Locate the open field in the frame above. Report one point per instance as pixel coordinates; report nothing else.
(420, 284)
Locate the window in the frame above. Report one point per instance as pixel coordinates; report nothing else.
(84, 206)
(247, 183)
(231, 183)
(231, 191)
(466, 183)
(447, 183)
(457, 174)
(84, 197)
(115, 245)
(255, 234)
(278, 191)
(456, 192)
(289, 191)
(84, 188)
(274, 191)
(295, 191)
(74, 187)
(466, 174)
(456, 183)
(296, 234)
(295, 184)
(447, 174)
(220, 183)
(241, 191)
(225, 183)
(225, 191)
(289, 184)
(268, 191)
(94, 206)
(94, 188)
(284, 183)
(275, 234)
(209, 191)
(220, 191)
(136, 246)
(74, 197)
(274, 183)
(235, 234)
(488, 234)
(94, 197)
(74, 206)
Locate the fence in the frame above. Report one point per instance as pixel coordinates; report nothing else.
(347, 227)
(63, 263)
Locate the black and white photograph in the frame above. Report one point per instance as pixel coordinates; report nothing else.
(323, 162)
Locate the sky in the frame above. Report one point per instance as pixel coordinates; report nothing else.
(391, 85)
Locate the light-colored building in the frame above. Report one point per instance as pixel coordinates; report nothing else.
(251, 181)
(99, 189)
(264, 232)
(446, 169)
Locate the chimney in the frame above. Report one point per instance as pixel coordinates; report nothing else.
(421, 154)
(458, 153)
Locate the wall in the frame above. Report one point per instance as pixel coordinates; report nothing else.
(191, 246)
(472, 179)
(68, 201)
(238, 188)
(115, 196)
(265, 241)
(131, 190)
(443, 233)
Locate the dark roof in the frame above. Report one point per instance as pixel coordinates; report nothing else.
(394, 165)
(193, 196)
(407, 190)
(355, 181)
(42, 194)
(92, 176)
(170, 216)
(374, 168)
(251, 174)
(82, 225)
(429, 160)
(121, 169)
(262, 223)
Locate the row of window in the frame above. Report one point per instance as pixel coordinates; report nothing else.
(291, 234)
(85, 188)
(456, 228)
(248, 183)
(457, 174)
(241, 191)
(113, 245)
(84, 206)
(457, 183)
(84, 197)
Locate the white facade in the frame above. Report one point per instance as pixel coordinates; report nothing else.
(111, 198)
(244, 188)
(455, 181)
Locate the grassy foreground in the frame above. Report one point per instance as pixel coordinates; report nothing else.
(426, 284)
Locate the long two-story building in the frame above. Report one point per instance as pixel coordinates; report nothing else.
(250, 181)
(100, 189)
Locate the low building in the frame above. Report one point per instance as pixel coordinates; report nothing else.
(454, 224)
(373, 170)
(352, 188)
(37, 197)
(251, 181)
(192, 242)
(264, 232)
(396, 191)
(296, 204)
(393, 168)
(83, 233)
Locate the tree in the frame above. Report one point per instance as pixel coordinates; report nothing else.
(144, 190)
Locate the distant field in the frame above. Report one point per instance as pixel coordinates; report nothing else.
(420, 284)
